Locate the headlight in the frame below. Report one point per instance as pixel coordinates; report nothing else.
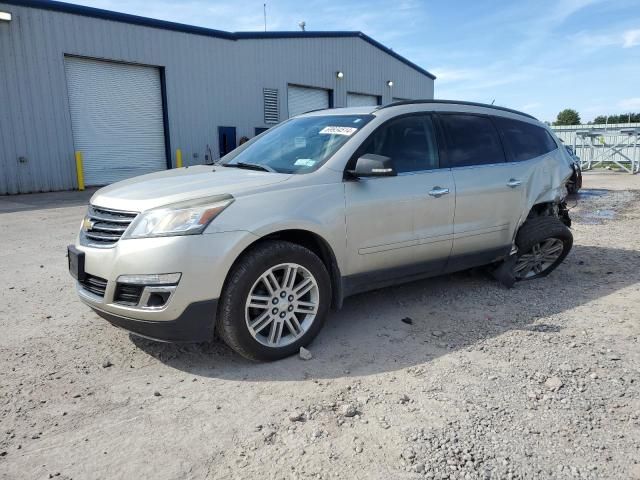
(184, 218)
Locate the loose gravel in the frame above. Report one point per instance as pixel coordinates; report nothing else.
(450, 378)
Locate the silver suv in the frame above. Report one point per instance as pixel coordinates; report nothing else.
(260, 246)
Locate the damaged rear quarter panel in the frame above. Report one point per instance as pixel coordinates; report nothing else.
(546, 180)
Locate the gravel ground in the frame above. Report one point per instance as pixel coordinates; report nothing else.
(453, 377)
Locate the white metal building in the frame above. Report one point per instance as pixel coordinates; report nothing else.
(128, 91)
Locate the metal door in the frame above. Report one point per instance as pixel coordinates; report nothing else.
(226, 140)
(305, 99)
(362, 100)
(116, 118)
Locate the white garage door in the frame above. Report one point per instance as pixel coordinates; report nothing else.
(116, 118)
(361, 100)
(305, 99)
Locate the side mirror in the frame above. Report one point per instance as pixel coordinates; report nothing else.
(371, 165)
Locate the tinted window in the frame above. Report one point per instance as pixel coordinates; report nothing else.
(524, 140)
(471, 140)
(409, 141)
(550, 142)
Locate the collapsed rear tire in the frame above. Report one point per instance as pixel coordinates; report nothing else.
(275, 301)
(543, 243)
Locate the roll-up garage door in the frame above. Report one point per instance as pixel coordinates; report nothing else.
(361, 100)
(305, 99)
(116, 118)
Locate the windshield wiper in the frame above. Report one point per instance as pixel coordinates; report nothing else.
(251, 166)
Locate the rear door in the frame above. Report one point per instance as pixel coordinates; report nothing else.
(488, 190)
(400, 226)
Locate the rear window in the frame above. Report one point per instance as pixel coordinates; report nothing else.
(471, 140)
(524, 140)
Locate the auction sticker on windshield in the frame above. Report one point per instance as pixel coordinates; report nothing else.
(338, 131)
(305, 162)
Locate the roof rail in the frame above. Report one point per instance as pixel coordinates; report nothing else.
(455, 102)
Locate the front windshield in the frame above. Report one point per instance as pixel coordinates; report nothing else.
(300, 145)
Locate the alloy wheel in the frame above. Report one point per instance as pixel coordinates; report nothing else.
(541, 256)
(282, 305)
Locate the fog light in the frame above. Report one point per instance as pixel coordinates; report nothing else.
(151, 279)
(146, 292)
(157, 299)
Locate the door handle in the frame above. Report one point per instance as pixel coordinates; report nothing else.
(513, 183)
(438, 192)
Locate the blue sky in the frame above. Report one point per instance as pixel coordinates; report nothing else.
(537, 56)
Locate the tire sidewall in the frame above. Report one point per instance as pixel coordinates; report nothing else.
(557, 230)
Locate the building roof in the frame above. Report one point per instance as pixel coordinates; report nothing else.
(208, 32)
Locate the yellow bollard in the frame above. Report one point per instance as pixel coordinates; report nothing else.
(178, 158)
(79, 171)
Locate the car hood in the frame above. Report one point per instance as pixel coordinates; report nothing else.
(162, 188)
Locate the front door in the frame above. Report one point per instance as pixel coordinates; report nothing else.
(400, 226)
(226, 139)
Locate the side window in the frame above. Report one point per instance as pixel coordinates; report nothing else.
(471, 140)
(524, 140)
(409, 141)
(550, 142)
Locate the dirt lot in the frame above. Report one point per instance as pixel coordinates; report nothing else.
(540, 381)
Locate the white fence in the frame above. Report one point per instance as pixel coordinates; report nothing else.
(602, 144)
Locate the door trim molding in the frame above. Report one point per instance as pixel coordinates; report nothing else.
(366, 281)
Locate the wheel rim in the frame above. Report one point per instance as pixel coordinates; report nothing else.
(282, 305)
(537, 260)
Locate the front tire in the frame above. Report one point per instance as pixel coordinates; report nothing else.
(275, 301)
(543, 243)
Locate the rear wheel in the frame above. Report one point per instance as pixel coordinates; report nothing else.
(275, 300)
(543, 243)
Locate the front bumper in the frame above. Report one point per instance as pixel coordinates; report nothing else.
(189, 314)
(195, 324)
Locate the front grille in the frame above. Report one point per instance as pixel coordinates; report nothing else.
(128, 294)
(95, 285)
(104, 227)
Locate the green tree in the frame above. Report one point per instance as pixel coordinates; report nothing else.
(622, 118)
(568, 116)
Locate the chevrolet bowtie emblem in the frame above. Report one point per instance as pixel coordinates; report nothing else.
(87, 224)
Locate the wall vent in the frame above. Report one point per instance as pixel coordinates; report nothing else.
(271, 111)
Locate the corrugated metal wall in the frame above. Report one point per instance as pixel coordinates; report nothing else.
(209, 82)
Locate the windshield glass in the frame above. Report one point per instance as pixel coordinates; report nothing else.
(300, 145)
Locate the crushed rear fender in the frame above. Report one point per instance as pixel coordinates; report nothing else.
(546, 182)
